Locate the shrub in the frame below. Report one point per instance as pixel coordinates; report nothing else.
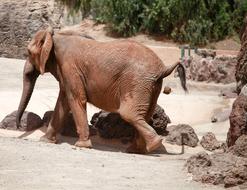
(193, 21)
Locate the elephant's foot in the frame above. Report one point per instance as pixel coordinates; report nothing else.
(155, 143)
(48, 140)
(84, 144)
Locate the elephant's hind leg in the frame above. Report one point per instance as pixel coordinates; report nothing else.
(137, 110)
(148, 140)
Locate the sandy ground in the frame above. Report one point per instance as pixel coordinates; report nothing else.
(26, 163)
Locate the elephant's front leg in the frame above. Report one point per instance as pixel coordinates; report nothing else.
(78, 105)
(57, 121)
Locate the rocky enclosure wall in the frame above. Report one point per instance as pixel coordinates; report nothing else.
(20, 19)
(241, 69)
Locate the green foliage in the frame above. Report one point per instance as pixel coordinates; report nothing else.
(192, 21)
(240, 10)
(122, 16)
(79, 5)
(195, 32)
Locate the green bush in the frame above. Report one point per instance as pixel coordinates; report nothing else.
(240, 10)
(192, 21)
(123, 17)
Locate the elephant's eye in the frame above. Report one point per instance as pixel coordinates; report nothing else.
(29, 52)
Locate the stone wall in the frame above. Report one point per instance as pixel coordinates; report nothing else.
(20, 19)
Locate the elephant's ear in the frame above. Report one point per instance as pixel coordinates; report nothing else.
(45, 51)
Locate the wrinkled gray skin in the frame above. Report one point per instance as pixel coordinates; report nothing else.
(120, 76)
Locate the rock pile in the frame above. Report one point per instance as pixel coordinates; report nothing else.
(219, 168)
(219, 69)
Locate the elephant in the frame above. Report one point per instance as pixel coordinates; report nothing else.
(121, 76)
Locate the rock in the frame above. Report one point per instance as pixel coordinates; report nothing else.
(159, 120)
(175, 133)
(241, 68)
(218, 168)
(29, 121)
(219, 69)
(69, 128)
(240, 147)
(200, 160)
(47, 117)
(21, 19)
(209, 142)
(238, 119)
(110, 125)
(167, 90)
(221, 116)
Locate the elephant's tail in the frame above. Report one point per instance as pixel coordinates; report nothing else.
(181, 73)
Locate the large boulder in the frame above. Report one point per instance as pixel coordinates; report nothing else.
(238, 118)
(182, 134)
(241, 68)
(29, 121)
(219, 168)
(21, 19)
(110, 125)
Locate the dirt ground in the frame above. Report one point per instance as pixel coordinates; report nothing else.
(99, 32)
(27, 164)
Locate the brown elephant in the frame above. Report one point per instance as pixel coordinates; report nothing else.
(121, 76)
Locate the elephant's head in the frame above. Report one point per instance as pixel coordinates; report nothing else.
(39, 50)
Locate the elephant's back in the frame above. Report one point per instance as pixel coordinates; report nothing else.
(129, 53)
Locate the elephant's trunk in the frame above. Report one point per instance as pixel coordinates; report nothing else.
(30, 74)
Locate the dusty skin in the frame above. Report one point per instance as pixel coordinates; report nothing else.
(30, 164)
